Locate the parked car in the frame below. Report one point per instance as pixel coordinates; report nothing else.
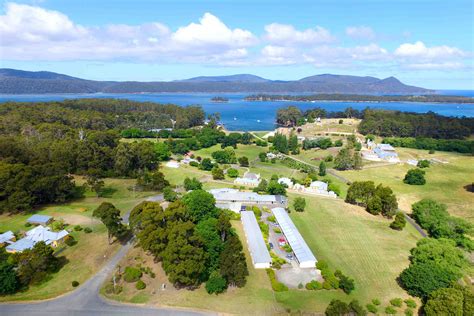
(289, 257)
(271, 245)
(282, 241)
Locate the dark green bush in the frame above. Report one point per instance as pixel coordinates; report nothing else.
(132, 274)
(75, 284)
(140, 285)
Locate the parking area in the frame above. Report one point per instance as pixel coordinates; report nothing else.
(290, 273)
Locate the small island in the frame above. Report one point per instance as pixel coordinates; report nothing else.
(432, 98)
(220, 99)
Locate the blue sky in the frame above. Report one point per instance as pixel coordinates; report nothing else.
(426, 43)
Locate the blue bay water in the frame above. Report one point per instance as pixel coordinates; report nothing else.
(241, 115)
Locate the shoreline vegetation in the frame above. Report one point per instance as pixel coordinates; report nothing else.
(432, 98)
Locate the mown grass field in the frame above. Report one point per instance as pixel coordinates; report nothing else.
(444, 182)
(250, 151)
(359, 244)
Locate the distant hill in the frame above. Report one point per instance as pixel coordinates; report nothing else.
(231, 78)
(27, 82)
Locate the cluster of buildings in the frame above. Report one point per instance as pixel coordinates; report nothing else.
(316, 187)
(249, 180)
(261, 258)
(33, 236)
(380, 152)
(237, 201)
(234, 200)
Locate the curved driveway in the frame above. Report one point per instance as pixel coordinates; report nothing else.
(85, 300)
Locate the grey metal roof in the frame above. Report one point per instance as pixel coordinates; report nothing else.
(6, 236)
(257, 247)
(296, 241)
(21, 245)
(39, 219)
(233, 195)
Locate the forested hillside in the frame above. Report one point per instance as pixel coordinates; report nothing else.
(42, 144)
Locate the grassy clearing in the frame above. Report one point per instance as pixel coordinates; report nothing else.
(82, 263)
(359, 244)
(251, 151)
(444, 182)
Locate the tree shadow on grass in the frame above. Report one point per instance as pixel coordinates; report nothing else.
(107, 192)
(469, 187)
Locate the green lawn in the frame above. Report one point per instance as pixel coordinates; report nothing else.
(357, 243)
(251, 151)
(444, 182)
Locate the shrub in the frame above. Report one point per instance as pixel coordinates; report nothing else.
(423, 163)
(397, 302)
(371, 308)
(322, 265)
(314, 285)
(415, 177)
(338, 143)
(341, 121)
(194, 164)
(299, 204)
(132, 274)
(390, 310)
(140, 285)
(277, 262)
(431, 151)
(399, 222)
(87, 230)
(232, 173)
(329, 158)
(376, 301)
(346, 284)
(216, 283)
(110, 289)
(217, 173)
(75, 284)
(70, 241)
(77, 228)
(27, 224)
(277, 230)
(276, 286)
(271, 219)
(410, 303)
(287, 248)
(408, 312)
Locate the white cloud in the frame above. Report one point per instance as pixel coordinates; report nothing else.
(24, 23)
(361, 32)
(278, 55)
(421, 51)
(286, 35)
(211, 30)
(421, 57)
(34, 33)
